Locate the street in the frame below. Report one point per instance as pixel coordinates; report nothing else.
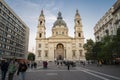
(80, 72)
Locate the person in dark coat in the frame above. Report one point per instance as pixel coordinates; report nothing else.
(22, 70)
(4, 69)
(68, 65)
(45, 64)
(35, 65)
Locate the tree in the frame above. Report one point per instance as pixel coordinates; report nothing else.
(116, 43)
(31, 56)
(88, 47)
(106, 49)
(97, 50)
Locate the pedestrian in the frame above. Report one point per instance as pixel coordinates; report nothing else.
(35, 65)
(100, 63)
(58, 64)
(83, 63)
(45, 64)
(11, 70)
(22, 70)
(4, 69)
(68, 65)
(61, 63)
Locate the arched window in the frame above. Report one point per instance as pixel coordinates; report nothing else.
(79, 35)
(40, 22)
(40, 35)
(78, 22)
(73, 54)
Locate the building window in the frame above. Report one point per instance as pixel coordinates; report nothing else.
(39, 53)
(8, 35)
(107, 32)
(56, 32)
(39, 45)
(62, 32)
(74, 54)
(40, 35)
(97, 37)
(0, 10)
(40, 22)
(78, 22)
(80, 45)
(79, 35)
(0, 4)
(80, 51)
(46, 53)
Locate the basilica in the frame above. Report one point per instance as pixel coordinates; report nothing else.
(60, 46)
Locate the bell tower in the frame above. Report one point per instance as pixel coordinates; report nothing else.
(78, 26)
(41, 26)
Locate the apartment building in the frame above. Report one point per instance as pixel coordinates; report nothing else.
(116, 16)
(109, 23)
(14, 34)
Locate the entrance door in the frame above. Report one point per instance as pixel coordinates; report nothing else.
(60, 52)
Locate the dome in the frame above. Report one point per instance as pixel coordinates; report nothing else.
(59, 21)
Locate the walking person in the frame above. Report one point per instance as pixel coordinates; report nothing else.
(22, 70)
(58, 64)
(4, 69)
(11, 70)
(100, 63)
(84, 63)
(68, 65)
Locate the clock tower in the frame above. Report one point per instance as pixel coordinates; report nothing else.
(78, 26)
(41, 26)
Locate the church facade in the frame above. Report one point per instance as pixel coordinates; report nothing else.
(60, 46)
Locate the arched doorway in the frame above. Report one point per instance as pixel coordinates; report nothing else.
(59, 51)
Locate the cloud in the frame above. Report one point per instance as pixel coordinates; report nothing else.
(50, 19)
(51, 4)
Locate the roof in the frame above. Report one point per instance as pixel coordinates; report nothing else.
(59, 21)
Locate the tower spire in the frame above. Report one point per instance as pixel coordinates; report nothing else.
(77, 13)
(42, 14)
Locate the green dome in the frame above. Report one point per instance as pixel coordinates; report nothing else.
(59, 21)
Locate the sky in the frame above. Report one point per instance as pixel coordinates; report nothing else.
(90, 11)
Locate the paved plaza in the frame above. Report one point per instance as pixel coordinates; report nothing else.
(80, 72)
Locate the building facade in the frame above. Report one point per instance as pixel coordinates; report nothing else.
(109, 23)
(116, 16)
(60, 46)
(14, 34)
(104, 26)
